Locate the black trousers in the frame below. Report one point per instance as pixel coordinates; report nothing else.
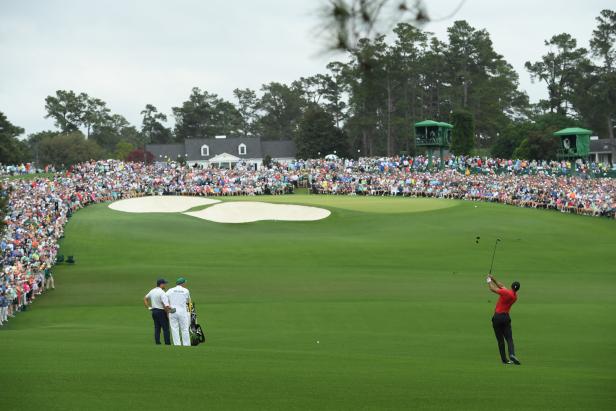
(161, 321)
(501, 322)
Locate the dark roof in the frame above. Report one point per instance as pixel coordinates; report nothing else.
(223, 145)
(170, 150)
(279, 149)
(255, 148)
(602, 145)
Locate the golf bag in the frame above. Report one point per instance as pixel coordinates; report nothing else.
(197, 336)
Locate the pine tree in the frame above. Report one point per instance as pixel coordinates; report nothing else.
(463, 138)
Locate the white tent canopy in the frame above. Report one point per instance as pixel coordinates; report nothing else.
(224, 158)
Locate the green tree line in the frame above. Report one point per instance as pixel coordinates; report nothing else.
(366, 103)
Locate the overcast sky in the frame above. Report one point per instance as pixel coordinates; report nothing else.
(130, 53)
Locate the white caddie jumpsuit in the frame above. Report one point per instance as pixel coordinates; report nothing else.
(179, 321)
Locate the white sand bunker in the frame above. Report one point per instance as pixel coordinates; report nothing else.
(250, 211)
(160, 204)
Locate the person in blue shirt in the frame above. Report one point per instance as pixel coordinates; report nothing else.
(4, 306)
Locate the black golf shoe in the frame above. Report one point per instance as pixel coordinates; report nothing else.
(507, 362)
(515, 360)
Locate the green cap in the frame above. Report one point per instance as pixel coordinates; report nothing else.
(180, 280)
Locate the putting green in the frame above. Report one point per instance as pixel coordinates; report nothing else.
(365, 204)
(353, 203)
(396, 299)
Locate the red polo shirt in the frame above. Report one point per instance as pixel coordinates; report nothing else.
(505, 301)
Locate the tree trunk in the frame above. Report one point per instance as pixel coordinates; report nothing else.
(610, 135)
(422, 97)
(338, 113)
(438, 100)
(389, 143)
(65, 121)
(364, 143)
(409, 122)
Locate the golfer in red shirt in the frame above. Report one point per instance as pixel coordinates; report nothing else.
(501, 322)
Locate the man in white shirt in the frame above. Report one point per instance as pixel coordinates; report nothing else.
(179, 318)
(158, 302)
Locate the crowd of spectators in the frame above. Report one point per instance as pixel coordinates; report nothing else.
(15, 169)
(522, 167)
(472, 165)
(39, 208)
(504, 181)
(22, 169)
(242, 180)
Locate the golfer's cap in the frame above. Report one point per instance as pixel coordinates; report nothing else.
(161, 281)
(180, 280)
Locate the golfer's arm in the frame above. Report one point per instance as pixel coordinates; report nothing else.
(493, 287)
(145, 302)
(496, 282)
(166, 303)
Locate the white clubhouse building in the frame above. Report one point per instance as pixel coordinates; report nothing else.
(225, 152)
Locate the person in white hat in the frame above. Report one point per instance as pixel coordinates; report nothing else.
(179, 317)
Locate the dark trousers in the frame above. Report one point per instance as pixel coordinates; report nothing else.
(501, 322)
(161, 321)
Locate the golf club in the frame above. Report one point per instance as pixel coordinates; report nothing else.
(493, 254)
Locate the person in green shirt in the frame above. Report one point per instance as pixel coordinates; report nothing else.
(49, 283)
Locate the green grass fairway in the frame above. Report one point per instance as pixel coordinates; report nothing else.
(392, 289)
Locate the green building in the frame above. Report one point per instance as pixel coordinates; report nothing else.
(433, 135)
(574, 143)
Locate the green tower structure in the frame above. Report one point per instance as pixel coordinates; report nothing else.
(433, 135)
(574, 144)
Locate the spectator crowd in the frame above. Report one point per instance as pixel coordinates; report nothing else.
(23, 169)
(39, 208)
(514, 182)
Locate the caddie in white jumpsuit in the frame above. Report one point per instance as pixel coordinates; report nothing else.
(179, 317)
